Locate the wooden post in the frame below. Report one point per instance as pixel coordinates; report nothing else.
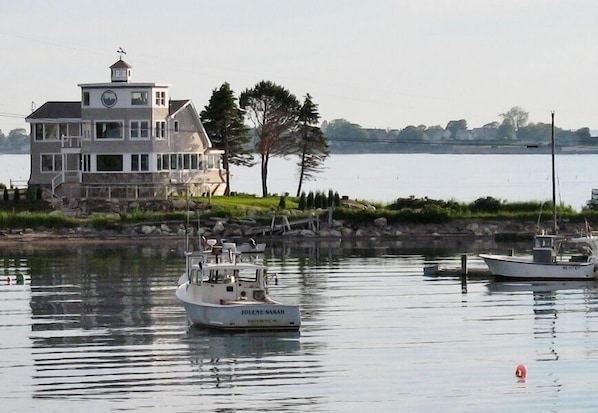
(464, 273)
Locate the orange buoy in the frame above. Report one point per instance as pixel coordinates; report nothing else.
(521, 371)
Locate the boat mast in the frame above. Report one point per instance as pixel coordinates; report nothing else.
(554, 223)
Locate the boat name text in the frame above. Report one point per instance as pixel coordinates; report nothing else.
(261, 312)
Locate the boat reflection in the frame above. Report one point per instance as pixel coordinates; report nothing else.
(540, 286)
(225, 361)
(205, 344)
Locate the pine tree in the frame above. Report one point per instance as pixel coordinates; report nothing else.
(312, 146)
(223, 122)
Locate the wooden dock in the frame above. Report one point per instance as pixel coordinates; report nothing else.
(464, 270)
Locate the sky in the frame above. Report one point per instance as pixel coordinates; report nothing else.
(376, 63)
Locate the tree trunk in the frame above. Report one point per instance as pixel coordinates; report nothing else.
(264, 175)
(301, 172)
(226, 166)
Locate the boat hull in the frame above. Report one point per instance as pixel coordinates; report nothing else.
(507, 266)
(239, 316)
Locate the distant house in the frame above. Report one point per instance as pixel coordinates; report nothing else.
(122, 140)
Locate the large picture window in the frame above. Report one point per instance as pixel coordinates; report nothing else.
(109, 130)
(139, 98)
(109, 163)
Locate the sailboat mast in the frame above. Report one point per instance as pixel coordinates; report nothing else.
(554, 222)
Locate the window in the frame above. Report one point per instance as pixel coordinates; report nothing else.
(173, 164)
(160, 98)
(85, 98)
(39, 131)
(194, 163)
(63, 129)
(109, 163)
(85, 162)
(176, 126)
(165, 162)
(46, 131)
(139, 129)
(186, 164)
(139, 162)
(51, 162)
(160, 131)
(139, 98)
(109, 130)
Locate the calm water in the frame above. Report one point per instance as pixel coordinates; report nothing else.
(385, 177)
(98, 328)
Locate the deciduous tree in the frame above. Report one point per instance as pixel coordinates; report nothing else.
(516, 116)
(273, 110)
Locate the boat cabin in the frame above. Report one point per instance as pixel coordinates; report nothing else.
(546, 248)
(222, 279)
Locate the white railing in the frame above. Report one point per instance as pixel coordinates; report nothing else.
(57, 181)
(71, 141)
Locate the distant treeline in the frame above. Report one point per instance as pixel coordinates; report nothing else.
(17, 141)
(346, 137)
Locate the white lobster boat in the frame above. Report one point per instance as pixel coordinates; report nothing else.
(547, 262)
(220, 291)
(543, 264)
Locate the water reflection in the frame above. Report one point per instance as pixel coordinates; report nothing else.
(101, 323)
(231, 360)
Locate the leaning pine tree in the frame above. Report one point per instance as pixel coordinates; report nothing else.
(312, 146)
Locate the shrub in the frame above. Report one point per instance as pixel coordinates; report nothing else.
(488, 205)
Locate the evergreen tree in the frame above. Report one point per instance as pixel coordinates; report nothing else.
(282, 203)
(302, 201)
(318, 200)
(273, 110)
(310, 200)
(330, 198)
(223, 121)
(312, 146)
(337, 199)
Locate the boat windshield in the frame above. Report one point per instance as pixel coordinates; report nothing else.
(544, 242)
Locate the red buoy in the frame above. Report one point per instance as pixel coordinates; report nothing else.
(521, 371)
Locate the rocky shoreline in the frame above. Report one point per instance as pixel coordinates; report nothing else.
(223, 228)
(287, 225)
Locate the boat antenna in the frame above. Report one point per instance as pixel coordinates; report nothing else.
(554, 219)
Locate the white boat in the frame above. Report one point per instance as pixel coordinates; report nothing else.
(220, 291)
(587, 241)
(249, 246)
(543, 264)
(547, 262)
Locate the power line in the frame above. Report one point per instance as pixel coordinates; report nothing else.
(12, 115)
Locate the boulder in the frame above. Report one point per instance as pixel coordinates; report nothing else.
(380, 222)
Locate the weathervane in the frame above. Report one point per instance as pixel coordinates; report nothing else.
(121, 52)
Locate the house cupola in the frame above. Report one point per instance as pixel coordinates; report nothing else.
(120, 71)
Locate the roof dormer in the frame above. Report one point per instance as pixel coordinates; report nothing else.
(120, 71)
